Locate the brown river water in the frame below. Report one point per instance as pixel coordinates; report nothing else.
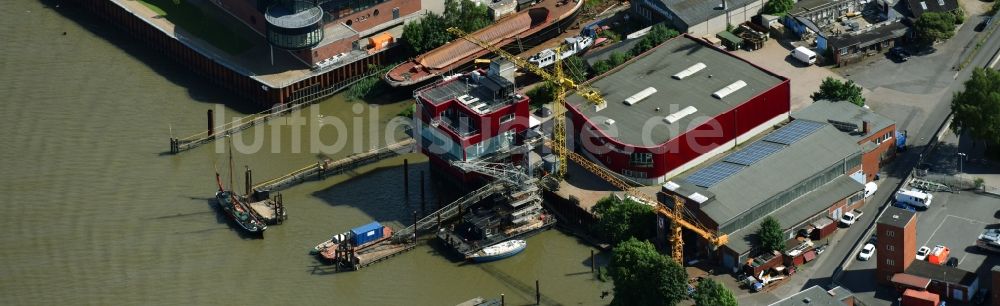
(96, 214)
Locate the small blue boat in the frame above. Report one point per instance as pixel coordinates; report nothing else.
(499, 251)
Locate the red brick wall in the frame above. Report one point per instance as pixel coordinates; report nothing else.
(872, 161)
(895, 250)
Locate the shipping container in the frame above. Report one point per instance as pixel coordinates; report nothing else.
(366, 233)
(919, 298)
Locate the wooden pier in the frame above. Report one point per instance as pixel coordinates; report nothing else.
(328, 167)
(450, 211)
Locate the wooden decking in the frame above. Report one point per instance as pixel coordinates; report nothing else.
(328, 167)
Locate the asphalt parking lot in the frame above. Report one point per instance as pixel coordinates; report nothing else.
(953, 220)
(956, 223)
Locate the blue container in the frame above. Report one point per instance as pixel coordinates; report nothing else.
(366, 233)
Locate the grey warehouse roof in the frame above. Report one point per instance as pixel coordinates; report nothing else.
(815, 295)
(843, 111)
(655, 69)
(775, 173)
(693, 12)
(806, 206)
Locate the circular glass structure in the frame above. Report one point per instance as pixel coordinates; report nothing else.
(294, 25)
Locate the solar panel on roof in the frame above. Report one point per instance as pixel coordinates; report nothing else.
(711, 175)
(753, 153)
(794, 131)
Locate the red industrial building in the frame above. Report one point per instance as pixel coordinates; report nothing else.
(674, 107)
(896, 243)
(476, 116)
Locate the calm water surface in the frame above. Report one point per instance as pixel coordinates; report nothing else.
(95, 214)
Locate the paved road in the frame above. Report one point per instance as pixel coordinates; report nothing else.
(931, 77)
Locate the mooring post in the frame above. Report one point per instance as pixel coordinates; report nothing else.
(211, 123)
(592, 261)
(406, 178)
(538, 295)
(246, 179)
(423, 199)
(501, 300)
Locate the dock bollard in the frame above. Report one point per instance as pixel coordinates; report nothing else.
(211, 123)
(423, 199)
(501, 300)
(538, 295)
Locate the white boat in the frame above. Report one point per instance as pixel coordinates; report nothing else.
(572, 45)
(499, 251)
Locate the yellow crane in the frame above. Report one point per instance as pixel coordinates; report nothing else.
(558, 144)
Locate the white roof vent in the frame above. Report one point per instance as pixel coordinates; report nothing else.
(725, 91)
(670, 185)
(609, 122)
(640, 95)
(697, 197)
(467, 99)
(680, 114)
(689, 71)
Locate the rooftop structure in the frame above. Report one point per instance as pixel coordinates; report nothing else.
(698, 17)
(896, 217)
(816, 296)
(942, 273)
(845, 116)
(675, 106)
(919, 7)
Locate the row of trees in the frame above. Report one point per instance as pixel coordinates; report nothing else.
(935, 26)
(431, 31)
(977, 108)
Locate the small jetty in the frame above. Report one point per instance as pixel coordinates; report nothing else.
(330, 167)
(271, 210)
(362, 246)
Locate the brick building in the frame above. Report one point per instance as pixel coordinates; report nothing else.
(896, 244)
(875, 133)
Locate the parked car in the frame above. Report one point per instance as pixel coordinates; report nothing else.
(982, 25)
(922, 252)
(870, 189)
(866, 252)
(952, 262)
(899, 54)
(850, 217)
(938, 255)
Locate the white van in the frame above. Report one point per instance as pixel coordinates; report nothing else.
(915, 198)
(804, 55)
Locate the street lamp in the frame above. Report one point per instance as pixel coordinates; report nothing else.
(961, 156)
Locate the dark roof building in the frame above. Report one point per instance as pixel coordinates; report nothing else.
(919, 7)
(947, 282)
(815, 167)
(698, 17)
(675, 106)
(816, 296)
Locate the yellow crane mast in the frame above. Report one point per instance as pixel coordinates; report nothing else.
(558, 144)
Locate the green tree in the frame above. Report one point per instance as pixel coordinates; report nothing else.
(600, 67)
(657, 35)
(771, 237)
(777, 7)
(576, 68)
(431, 31)
(934, 26)
(712, 293)
(836, 90)
(959, 15)
(642, 276)
(542, 94)
(977, 108)
(619, 220)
